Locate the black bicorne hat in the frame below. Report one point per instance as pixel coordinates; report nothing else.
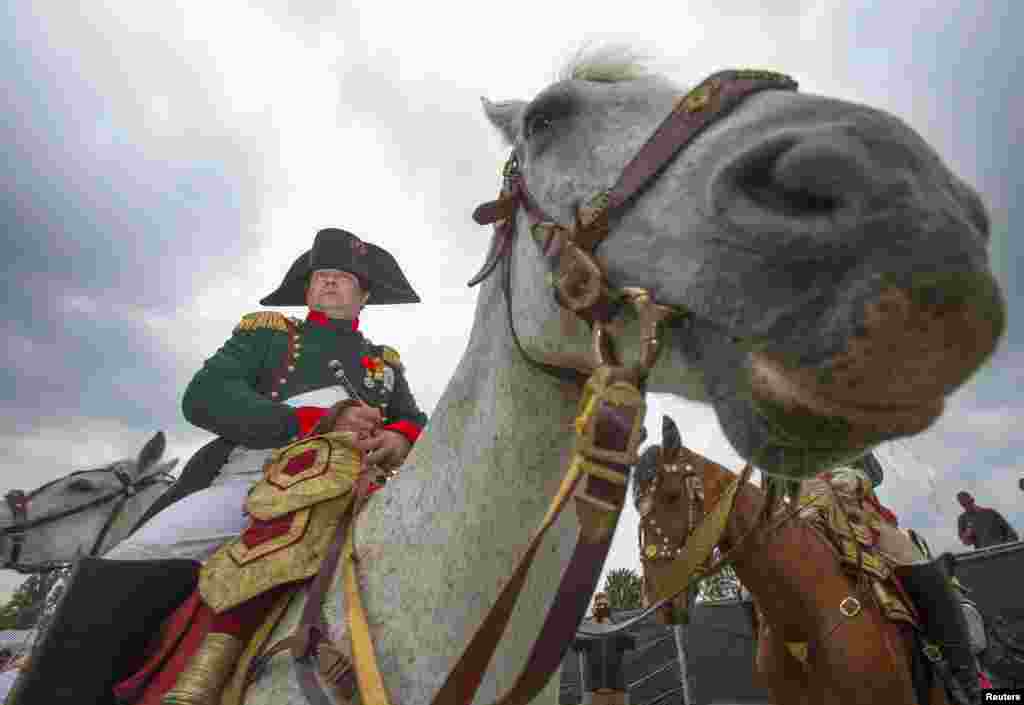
(334, 248)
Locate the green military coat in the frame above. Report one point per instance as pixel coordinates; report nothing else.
(239, 392)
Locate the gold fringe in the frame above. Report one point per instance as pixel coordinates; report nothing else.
(263, 319)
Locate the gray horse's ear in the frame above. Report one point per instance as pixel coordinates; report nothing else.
(670, 438)
(505, 115)
(152, 451)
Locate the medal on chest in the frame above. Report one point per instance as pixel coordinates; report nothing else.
(378, 373)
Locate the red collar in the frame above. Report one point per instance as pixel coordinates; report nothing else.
(321, 319)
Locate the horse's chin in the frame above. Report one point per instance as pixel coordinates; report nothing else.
(798, 407)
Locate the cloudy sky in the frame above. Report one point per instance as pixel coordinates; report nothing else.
(167, 161)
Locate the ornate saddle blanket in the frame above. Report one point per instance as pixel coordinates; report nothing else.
(294, 513)
(846, 512)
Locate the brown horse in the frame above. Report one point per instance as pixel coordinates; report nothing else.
(822, 638)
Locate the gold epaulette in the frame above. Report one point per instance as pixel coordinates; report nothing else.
(390, 356)
(263, 319)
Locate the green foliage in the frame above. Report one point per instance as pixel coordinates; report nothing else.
(623, 588)
(10, 612)
(723, 585)
(27, 604)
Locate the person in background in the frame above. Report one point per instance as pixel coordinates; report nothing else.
(980, 527)
(603, 682)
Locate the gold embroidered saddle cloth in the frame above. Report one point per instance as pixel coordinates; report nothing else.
(294, 513)
(844, 512)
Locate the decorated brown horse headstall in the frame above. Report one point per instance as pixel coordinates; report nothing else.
(18, 501)
(609, 427)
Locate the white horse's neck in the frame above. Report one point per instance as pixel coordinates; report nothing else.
(438, 543)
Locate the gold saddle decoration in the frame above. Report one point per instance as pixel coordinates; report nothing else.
(306, 484)
(304, 474)
(847, 522)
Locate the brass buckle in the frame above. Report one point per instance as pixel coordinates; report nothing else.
(651, 317)
(850, 606)
(606, 388)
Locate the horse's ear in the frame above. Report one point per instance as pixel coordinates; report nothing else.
(670, 438)
(505, 115)
(152, 451)
(645, 470)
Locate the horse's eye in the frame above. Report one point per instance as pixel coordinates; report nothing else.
(81, 486)
(538, 122)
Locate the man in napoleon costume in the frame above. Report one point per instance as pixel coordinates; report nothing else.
(602, 678)
(275, 381)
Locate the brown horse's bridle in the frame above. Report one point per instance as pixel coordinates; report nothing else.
(609, 428)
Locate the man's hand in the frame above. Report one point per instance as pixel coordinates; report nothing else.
(387, 449)
(361, 419)
(384, 448)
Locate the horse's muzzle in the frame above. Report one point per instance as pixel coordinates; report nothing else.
(915, 347)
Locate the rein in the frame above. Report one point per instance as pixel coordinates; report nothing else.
(18, 502)
(609, 426)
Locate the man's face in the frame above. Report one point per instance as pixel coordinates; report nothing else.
(335, 293)
(601, 607)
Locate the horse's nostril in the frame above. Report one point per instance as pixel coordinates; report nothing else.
(811, 176)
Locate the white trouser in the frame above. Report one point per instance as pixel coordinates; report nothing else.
(199, 524)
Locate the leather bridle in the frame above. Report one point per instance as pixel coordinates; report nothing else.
(609, 426)
(18, 502)
(580, 284)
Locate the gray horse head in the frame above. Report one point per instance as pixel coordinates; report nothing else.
(86, 512)
(835, 269)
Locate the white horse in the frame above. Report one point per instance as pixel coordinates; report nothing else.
(839, 282)
(85, 513)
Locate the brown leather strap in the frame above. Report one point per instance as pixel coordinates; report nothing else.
(714, 98)
(17, 502)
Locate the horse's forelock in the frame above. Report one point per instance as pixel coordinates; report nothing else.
(610, 63)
